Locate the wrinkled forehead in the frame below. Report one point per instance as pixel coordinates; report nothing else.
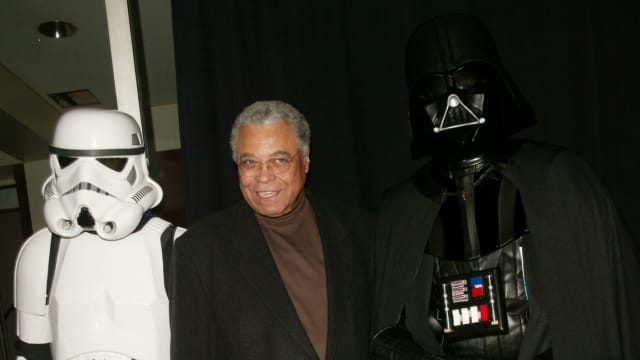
(266, 139)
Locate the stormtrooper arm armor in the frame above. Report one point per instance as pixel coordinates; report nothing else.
(30, 297)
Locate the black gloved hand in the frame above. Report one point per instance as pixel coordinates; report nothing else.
(396, 343)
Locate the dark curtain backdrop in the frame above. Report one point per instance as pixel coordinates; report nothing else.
(340, 63)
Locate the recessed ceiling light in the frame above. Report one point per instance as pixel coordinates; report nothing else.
(57, 29)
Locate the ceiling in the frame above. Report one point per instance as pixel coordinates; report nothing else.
(32, 66)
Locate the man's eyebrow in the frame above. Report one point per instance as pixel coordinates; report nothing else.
(273, 154)
(244, 155)
(280, 153)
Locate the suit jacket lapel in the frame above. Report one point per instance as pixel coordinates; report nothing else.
(338, 272)
(260, 271)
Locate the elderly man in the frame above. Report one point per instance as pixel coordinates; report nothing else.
(281, 275)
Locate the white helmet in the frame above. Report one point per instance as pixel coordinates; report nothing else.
(100, 181)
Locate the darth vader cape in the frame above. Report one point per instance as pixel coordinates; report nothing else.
(581, 265)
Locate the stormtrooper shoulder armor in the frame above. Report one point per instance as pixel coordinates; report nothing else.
(31, 273)
(31, 288)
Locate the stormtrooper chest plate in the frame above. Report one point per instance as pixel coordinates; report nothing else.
(108, 299)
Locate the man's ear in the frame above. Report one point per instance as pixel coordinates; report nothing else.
(307, 162)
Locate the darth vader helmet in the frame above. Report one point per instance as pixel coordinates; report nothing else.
(100, 181)
(461, 98)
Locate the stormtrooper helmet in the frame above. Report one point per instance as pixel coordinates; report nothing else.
(99, 182)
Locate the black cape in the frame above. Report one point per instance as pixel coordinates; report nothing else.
(581, 264)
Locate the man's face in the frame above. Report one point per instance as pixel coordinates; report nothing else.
(270, 191)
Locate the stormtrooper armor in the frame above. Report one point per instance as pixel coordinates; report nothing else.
(462, 107)
(91, 285)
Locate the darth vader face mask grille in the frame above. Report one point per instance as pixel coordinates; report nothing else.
(456, 112)
(455, 99)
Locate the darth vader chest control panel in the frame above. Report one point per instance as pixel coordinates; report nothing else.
(472, 304)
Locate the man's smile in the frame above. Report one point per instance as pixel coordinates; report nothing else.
(267, 194)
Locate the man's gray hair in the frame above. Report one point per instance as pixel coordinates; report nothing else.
(268, 112)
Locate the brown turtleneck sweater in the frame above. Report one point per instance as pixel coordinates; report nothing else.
(296, 247)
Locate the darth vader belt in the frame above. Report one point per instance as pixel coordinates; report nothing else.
(472, 305)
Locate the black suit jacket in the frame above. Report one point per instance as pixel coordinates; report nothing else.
(229, 301)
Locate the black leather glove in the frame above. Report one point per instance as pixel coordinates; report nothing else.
(396, 343)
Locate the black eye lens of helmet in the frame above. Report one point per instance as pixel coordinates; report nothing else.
(115, 164)
(430, 88)
(467, 80)
(65, 161)
(435, 86)
(472, 77)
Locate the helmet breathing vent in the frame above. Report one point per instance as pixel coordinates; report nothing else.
(137, 197)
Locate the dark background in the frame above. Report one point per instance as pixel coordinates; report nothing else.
(340, 63)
